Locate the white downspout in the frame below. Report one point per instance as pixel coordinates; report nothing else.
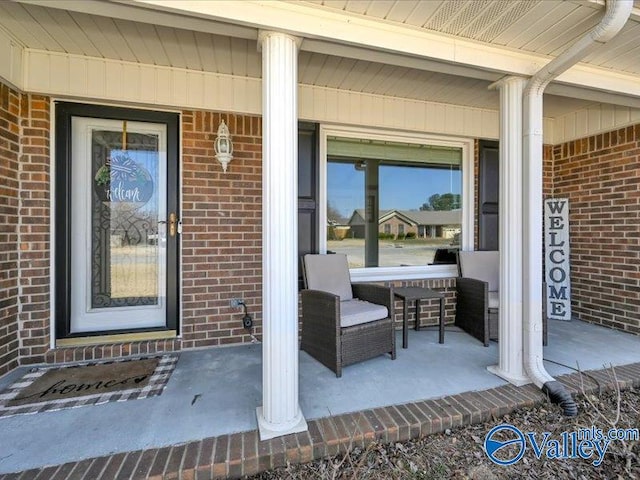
(616, 15)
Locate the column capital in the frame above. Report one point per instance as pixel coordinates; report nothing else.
(264, 34)
(507, 81)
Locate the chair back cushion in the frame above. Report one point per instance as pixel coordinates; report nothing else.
(481, 265)
(328, 273)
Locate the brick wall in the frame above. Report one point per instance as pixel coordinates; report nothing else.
(35, 185)
(9, 204)
(601, 177)
(222, 235)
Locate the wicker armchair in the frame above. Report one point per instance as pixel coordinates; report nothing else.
(343, 323)
(478, 299)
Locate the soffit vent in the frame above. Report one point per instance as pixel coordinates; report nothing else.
(508, 16)
(465, 16)
(478, 19)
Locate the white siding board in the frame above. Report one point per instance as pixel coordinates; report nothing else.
(547, 130)
(179, 87)
(490, 124)
(78, 81)
(59, 75)
(195, 88)
(437, 118)
(454, 119)
(594, 119)
(164, 89)
(570, 126)
(10, 60)
(225, 93)
(49, 73)
(96, 78)
(135, 41)
(131, 83)
(558, 130)
(148, 84)
(621, 115)
(581, 123)
(113, 84)
(608, 118)
(333, 105)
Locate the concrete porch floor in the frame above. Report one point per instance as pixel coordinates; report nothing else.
(216, 391)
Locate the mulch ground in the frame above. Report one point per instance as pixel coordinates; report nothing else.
(459, 453)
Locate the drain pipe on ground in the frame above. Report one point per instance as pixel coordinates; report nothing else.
(616, 14)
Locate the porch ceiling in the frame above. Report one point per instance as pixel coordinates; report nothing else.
(537, 26)
(202, 48)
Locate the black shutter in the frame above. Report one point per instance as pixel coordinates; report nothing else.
(488, 193)
(307, 192)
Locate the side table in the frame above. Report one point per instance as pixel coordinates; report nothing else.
(408, 294)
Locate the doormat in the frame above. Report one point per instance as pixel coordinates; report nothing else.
(48, 389)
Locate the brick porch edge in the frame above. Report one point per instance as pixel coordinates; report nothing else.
(239, 454)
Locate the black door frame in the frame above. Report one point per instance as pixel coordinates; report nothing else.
(64, 111)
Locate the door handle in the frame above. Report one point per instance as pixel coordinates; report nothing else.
(173, 221)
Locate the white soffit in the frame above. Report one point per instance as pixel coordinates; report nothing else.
(544, 27)
(194, 44)
(320, 22)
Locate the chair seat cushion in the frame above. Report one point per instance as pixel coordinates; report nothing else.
(355, 312)
(494, 300)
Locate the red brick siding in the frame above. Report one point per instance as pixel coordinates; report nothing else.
(222, 234)
(9, 205)
(601, 177)
(35, 184)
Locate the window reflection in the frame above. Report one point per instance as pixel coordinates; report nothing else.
(392, 204)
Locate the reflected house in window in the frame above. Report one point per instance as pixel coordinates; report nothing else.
(419, 223)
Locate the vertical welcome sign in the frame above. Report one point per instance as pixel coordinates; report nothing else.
(556, 216)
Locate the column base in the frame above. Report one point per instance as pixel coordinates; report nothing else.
(517, 380)
(269, 430)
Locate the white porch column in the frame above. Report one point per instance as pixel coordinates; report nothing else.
(280, 413)
(510, 363)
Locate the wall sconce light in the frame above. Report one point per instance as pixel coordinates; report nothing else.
(223, 146)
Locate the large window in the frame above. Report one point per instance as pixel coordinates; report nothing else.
(392, 204)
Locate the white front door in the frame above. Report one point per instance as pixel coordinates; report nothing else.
(118, 225)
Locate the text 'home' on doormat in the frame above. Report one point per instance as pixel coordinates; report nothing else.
(87, 383)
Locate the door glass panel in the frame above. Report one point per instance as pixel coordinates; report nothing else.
(125, 251)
